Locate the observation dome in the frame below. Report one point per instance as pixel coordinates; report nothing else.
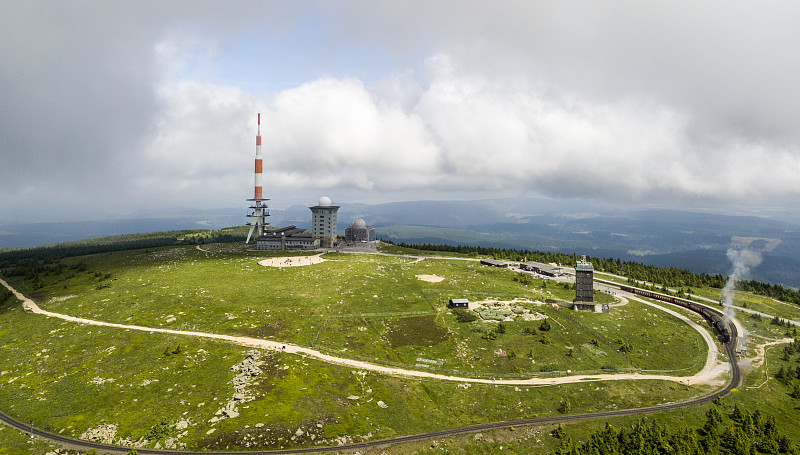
(359, 223)
(324, 201)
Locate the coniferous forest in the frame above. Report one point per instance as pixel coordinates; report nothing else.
(734, 432)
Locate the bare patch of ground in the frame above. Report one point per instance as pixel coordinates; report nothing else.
(292, 261)
(430, 278)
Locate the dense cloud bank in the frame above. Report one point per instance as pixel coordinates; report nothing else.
(625, 102)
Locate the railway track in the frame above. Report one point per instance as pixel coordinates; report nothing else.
(77, 444)
(71, 443)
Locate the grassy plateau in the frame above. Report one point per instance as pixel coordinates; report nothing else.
(70, 378)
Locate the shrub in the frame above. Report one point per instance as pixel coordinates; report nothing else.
(463, 315)
(545, 325)
(564, 407)
(159, 431)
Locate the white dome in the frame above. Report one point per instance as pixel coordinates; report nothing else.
(359, 223)
(324, 201)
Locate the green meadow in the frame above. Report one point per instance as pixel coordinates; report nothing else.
(69, 378)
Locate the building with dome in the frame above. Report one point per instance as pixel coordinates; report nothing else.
(323, 222)
(359, 232)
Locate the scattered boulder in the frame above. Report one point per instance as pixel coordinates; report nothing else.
(382, 405)
(105, 434)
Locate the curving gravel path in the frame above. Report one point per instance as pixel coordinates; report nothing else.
(707, 375)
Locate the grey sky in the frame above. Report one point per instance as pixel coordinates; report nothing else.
(112, 108)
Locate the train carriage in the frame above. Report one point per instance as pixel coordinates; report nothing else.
(713, 317)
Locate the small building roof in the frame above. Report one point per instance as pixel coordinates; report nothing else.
(292, 232)
(542, 266)
(494, 263)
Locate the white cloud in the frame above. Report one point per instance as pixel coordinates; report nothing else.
(462, 130)
(618, 101)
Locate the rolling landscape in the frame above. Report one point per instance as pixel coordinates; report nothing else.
(269, 227)
(666, 238)
(518, 355)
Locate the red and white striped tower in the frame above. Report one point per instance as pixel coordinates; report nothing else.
(260, 211)
(259, 164)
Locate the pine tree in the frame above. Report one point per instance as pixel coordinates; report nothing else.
(795, 391)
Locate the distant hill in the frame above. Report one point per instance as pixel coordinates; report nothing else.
(692, 240)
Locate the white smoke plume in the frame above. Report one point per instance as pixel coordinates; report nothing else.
(743, 260)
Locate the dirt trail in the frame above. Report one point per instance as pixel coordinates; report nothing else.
(709, 374)
(761, 358)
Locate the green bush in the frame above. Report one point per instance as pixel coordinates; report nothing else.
(463, 315)
(545, 325)
(160, 431)
(564, 407)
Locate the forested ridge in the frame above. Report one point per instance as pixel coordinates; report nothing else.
(671, 277)
(122, 242)
(37, 263)
(738, 432)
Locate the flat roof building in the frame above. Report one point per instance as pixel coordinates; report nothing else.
(494, 263)
(287, 238)
(542, 269)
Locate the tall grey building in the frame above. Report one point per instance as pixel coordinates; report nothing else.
(323, 222)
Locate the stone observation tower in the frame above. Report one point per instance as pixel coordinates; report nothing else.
(584, 296)
(323, 222)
